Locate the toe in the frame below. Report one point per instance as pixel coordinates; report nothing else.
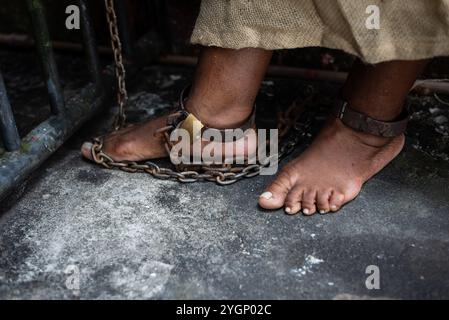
(308, 202)
(336, 200)
(322, 201)
(86, 150)
(293, 208)
(293, 200)
(274, 196)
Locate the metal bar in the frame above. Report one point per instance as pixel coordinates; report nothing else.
(123, 26)
(90, 44)
(439, 86)
(46, 56)
(44, 140)
(41, 142)
(425, 85)
(23, 41)
(8, 128)
(273, 70)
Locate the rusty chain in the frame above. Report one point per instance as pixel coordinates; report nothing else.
(120, 72)
(289, 125)
(221, 175)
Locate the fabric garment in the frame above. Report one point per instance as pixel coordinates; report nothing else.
(408, 29)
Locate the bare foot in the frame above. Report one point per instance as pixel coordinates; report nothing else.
(331, 172)
(134, 143)
(141, 142)
(223, 91)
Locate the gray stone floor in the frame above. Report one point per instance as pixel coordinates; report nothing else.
(131, 236)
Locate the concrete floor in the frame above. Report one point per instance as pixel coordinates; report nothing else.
(131, 236)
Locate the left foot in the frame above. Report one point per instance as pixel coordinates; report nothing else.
(331, 172)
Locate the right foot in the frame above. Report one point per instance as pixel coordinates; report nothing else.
(134, 143)
(142, 142)
(224, 88)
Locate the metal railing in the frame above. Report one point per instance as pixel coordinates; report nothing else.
(24, 155)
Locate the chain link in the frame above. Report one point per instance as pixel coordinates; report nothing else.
(120, 72)
(288, 125)
(221, 175)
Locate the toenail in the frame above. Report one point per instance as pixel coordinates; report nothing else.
(266, 195)
(305, 211)
(334, 208)
(288, 210)
(87, 145)
(322, 211)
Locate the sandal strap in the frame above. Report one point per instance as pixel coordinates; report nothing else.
(182, 114)
(361, 122)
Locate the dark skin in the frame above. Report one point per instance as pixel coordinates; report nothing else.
(224, 87)
(332, 170)
(379, 90)
(242, 71)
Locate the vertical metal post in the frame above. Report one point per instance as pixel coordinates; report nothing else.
(46, 56)
(123, 26)
(90, 44)
(8, 128)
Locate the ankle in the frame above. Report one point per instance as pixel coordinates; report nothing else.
(362, 137)
(219, 116)
(381, 110)
(375, 105)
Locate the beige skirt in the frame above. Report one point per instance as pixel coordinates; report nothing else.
(374, 30)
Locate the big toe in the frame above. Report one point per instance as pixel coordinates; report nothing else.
(86, 150)
(274, 196)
